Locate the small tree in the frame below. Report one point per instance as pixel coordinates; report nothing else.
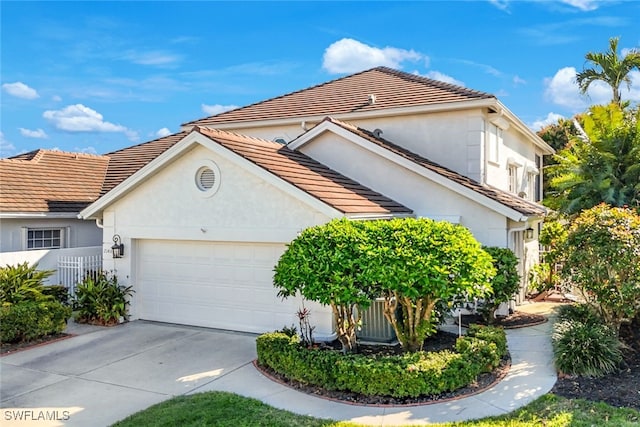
(323, 264)
(419, 262)
(504, 284)
(544, 275)
(603, 259)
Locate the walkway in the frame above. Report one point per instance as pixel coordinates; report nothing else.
(532, 375)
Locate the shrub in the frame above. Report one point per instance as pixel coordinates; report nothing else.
(504, 284)
(407, 375)
(22, 282)
(585, 348)
(603, 248)
(583, 313)
(29, 320)
(59, 293)
(101, 300)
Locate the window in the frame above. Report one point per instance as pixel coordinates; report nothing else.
(494, 140)
(44, 238)
(513, 178)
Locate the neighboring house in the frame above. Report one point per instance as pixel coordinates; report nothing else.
(41, 194)
(204, 214)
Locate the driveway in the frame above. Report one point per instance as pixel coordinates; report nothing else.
(105, 374)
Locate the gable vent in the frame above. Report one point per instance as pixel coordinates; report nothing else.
(205, 178)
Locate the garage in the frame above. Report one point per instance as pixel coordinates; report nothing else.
(226, 285)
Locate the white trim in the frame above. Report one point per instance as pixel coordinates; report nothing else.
(481, 199)
(187, 142)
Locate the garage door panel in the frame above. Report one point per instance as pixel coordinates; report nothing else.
(214, 284)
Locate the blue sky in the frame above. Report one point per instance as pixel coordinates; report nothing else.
(100, 76)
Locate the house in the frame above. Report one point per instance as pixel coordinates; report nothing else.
(41, 194)
(204, 214)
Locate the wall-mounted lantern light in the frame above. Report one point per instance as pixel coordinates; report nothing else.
(117, 250)
(528, 233)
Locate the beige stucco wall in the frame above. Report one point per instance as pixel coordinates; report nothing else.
(425, 197)
(169, 206)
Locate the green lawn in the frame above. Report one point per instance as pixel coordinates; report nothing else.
(226, 409)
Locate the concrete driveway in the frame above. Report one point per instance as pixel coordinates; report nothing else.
(105, 374)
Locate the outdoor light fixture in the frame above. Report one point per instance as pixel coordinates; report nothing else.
(117, 250)
(528, 233)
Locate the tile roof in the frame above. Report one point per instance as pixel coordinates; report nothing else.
(314, 178)
(47, 181)
(124, 163)
(509, 200)
(392, 89)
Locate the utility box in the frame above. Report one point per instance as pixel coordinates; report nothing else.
(375, 327)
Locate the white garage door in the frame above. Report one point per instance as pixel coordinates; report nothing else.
(219, 285)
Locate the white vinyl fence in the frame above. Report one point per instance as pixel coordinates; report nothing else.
(73, 269)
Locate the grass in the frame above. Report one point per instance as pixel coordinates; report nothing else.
(226, 409)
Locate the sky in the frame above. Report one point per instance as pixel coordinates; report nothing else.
(99, 76)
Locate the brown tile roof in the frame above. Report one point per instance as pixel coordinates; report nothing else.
(296, 168)
(509, 200)
(392, 89)
(50, 181)
(124, 163)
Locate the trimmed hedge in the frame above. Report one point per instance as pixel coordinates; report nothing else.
(29, 320)
(408, 375)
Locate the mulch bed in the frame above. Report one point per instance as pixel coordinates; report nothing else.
(10, 348)
(517, 319)
(621, 389)
(440, 341)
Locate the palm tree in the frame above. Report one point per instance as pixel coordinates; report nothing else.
(609, 68)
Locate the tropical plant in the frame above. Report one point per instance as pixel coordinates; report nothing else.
(504, 284)
(418, 263)
(605, 167)
(602, 259)
(610, 68)
(544, 275)
(101, 300)
(22, 282)
(323, 264)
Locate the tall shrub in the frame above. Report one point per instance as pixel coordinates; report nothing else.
(603, 259)
(23, 282)
(324, 264)
(504, 284)
(418, 263)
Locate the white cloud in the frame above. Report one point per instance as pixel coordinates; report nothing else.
(56, 98)
(163, 132)
(38, 133)
(79, 118)
(6, 148)
(89, 150)
(437, 75)
(550, 119)
(20, 90)
(212, 110)
(156, 58)
(632, 93)
(500, 4)
(517, 81)
(584, 5)
(350, 56)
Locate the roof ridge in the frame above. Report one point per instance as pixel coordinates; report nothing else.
(282, 96)
(426, 80)
(237, 136)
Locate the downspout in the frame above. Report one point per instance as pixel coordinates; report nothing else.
(99, 223)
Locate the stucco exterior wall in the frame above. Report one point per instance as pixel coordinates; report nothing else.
(80, 233)
(170, 206)
(424, 196)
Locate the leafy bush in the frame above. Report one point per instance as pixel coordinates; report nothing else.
(101, 300)
(504, 284)
(29, 320)
(59, 293)
(585, 348)
(602, 253)
(22, 282)
(578, 312)
(411, 374)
